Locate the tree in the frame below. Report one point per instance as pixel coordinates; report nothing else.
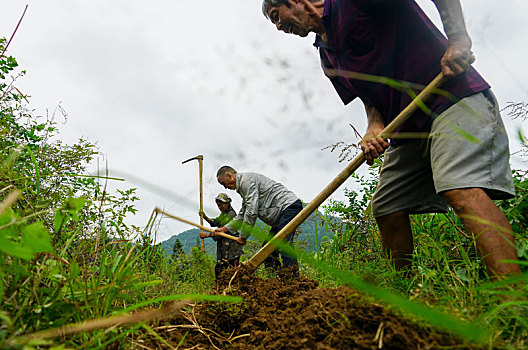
(177, 250)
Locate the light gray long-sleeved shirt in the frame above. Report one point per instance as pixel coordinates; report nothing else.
(262, 198)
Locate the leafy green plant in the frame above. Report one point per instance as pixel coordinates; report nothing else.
(67, 253)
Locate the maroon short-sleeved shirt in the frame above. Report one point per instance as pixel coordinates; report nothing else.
(394, 39)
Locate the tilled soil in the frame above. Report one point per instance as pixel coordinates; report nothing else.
(293, 313)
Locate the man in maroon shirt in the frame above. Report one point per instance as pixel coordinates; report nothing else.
(463, 159)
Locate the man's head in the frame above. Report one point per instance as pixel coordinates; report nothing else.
(226, 177)
(223, 201)
(298, 17)
(274, 3)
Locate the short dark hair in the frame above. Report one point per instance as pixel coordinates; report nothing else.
(224, 170)
(266, 3)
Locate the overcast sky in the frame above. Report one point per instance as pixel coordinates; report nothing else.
(156, 82)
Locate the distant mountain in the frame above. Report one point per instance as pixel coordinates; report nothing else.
(188, 239)
(310, 236)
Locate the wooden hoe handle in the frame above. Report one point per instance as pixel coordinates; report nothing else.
(200, 171)
(221, 234)
(200, 164)
(267, 249)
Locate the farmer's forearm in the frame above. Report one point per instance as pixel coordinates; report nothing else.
(209, 220)
(452, 18)
(458, 56)
(374, 117)
(372, 145)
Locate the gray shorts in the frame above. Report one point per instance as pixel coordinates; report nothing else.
(467, 147)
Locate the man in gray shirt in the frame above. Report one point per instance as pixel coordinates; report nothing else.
(266, 199)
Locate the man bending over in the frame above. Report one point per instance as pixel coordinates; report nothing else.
(455, 152)
(266, 199)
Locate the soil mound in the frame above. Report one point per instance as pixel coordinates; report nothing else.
(291, 312)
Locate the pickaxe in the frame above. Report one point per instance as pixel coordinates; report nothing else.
(221, 234)
(283, 234)
(200, 164)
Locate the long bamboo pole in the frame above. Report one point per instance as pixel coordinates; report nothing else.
(267, 249)
(200, 171)
(203, 228)
(200, 165)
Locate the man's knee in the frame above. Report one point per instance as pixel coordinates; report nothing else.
(391, 222)
(465, 198)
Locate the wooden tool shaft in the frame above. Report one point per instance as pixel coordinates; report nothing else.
(200, 170)
(267, 249)
(203, 228)
(200, 165)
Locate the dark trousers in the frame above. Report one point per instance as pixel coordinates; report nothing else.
(221, 265)
(286, 216)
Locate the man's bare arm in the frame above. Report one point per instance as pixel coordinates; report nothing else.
(458, 55)
(372, 146)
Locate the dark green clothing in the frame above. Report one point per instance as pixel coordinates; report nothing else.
(226, 249)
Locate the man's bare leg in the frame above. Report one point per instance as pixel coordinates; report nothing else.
(493, 233)
(396, 238)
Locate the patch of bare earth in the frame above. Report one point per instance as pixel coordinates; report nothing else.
(293, 313)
